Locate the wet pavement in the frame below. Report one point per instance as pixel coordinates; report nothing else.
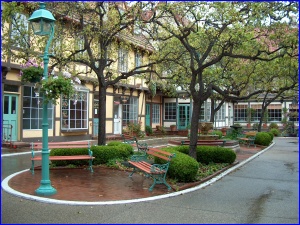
(79, 184)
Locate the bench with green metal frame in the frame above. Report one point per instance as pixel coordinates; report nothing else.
(128, 139)
(53, 145)
(157, 172)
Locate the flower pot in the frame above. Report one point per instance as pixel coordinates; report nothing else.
(173, 127)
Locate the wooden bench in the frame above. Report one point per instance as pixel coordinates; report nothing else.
(128, 139)
(206, 142)
(157, 171)
(52, 145)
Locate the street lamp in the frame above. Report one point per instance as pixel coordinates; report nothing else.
(42, 22)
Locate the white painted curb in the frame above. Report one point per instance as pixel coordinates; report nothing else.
(6, 188)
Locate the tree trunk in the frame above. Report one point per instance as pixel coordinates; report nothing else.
(194, 129)
(102, 116)
(212, 111)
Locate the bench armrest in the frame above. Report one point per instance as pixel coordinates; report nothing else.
(160, 167)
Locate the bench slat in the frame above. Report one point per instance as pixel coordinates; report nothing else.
(158, 155)
(160, 151)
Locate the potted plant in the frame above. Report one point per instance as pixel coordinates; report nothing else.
(31, 72)
(173, 127)
(57, 85)
(250, 114)
(265, 119)
(148, 130)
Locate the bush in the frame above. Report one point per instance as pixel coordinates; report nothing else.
(215, 154)
(275, 132)
(148, 130)
(263, 138)
(271, 135)
(273, 126)
(68, 151)
(183, 168)
(217, 132)
(104, 154)
(208, 154)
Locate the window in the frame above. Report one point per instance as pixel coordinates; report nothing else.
(138, 59)
(130, 111)
(123, 60)
(275, 112)
(240, 113)
(19, 30)
(170, 111)
(256, 116)
(205, 112)
(274, 115)
(220, 114)
(74, 111)
(155, 113)
(33, 110)
(79, 45)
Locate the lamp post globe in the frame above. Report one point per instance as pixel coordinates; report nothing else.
(42, 22)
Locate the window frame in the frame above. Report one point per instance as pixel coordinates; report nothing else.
(35, 103)
(76, 116)
(122, 60)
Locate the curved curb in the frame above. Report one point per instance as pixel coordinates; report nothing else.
(6, 188)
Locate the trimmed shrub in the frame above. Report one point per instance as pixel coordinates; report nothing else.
(183, 168)
(275, 132)
(215, 154)
(105, 153)
(217, 132)
(68, 151)
(102, 154)
(271, 135)
(273, 126)
(208, 154)
(263, 138)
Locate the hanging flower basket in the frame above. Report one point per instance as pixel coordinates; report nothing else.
(31, 72)
(55, 86)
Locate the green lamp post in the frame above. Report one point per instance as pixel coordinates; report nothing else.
(42, 22)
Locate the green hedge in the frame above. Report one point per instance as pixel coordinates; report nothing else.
(208, 154)
(102, 154)
(275, 132)
(69, 151)
(183, 168)
(105, 153)
(263, 138)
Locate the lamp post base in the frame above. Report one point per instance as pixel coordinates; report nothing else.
(45, 189)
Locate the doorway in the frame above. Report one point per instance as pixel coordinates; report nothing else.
(117, 117)
(10, 117)
(147, 114)
(183, 116)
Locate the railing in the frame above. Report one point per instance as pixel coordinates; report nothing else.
(7, 133)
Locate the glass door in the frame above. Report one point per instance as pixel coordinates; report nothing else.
(183, 116)
(10, 117)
